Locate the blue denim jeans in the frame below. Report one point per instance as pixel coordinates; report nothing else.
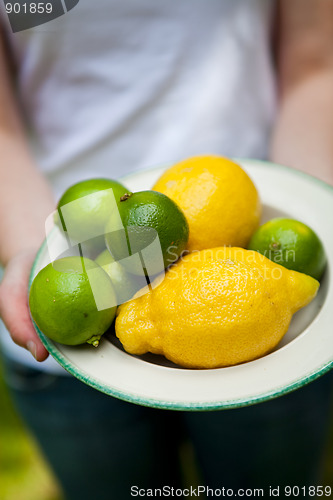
(99, 446)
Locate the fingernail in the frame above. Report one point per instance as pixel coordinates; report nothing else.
(32, 348)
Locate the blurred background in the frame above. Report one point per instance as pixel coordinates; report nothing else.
(24, 475)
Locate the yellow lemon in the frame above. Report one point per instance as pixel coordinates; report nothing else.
(218, 198)
(217, 307)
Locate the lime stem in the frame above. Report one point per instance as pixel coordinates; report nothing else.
(94, 341)
(125, 196)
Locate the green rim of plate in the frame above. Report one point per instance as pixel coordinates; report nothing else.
(167, 405)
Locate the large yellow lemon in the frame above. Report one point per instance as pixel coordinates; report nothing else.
(215, 308)
(219, 199)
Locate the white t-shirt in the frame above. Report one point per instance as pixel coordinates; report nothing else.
(115, 86)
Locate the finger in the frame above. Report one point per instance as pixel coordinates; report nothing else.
(14, 307)
(16, 317)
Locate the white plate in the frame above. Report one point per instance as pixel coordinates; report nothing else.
(305, 353)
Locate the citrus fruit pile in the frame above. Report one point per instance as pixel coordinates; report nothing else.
(185, 268)
(132, 237)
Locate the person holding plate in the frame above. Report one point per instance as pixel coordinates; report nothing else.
(115, 86)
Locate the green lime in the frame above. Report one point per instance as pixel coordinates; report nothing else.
(85, 207)
(292, 244)
(72, 301)
(125, 284)
(154, 234)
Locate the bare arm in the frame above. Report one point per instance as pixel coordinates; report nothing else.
(303, 135)
(25, 202)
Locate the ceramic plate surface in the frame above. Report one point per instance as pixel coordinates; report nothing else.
(305, 352)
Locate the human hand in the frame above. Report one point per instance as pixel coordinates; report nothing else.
(14, 308)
